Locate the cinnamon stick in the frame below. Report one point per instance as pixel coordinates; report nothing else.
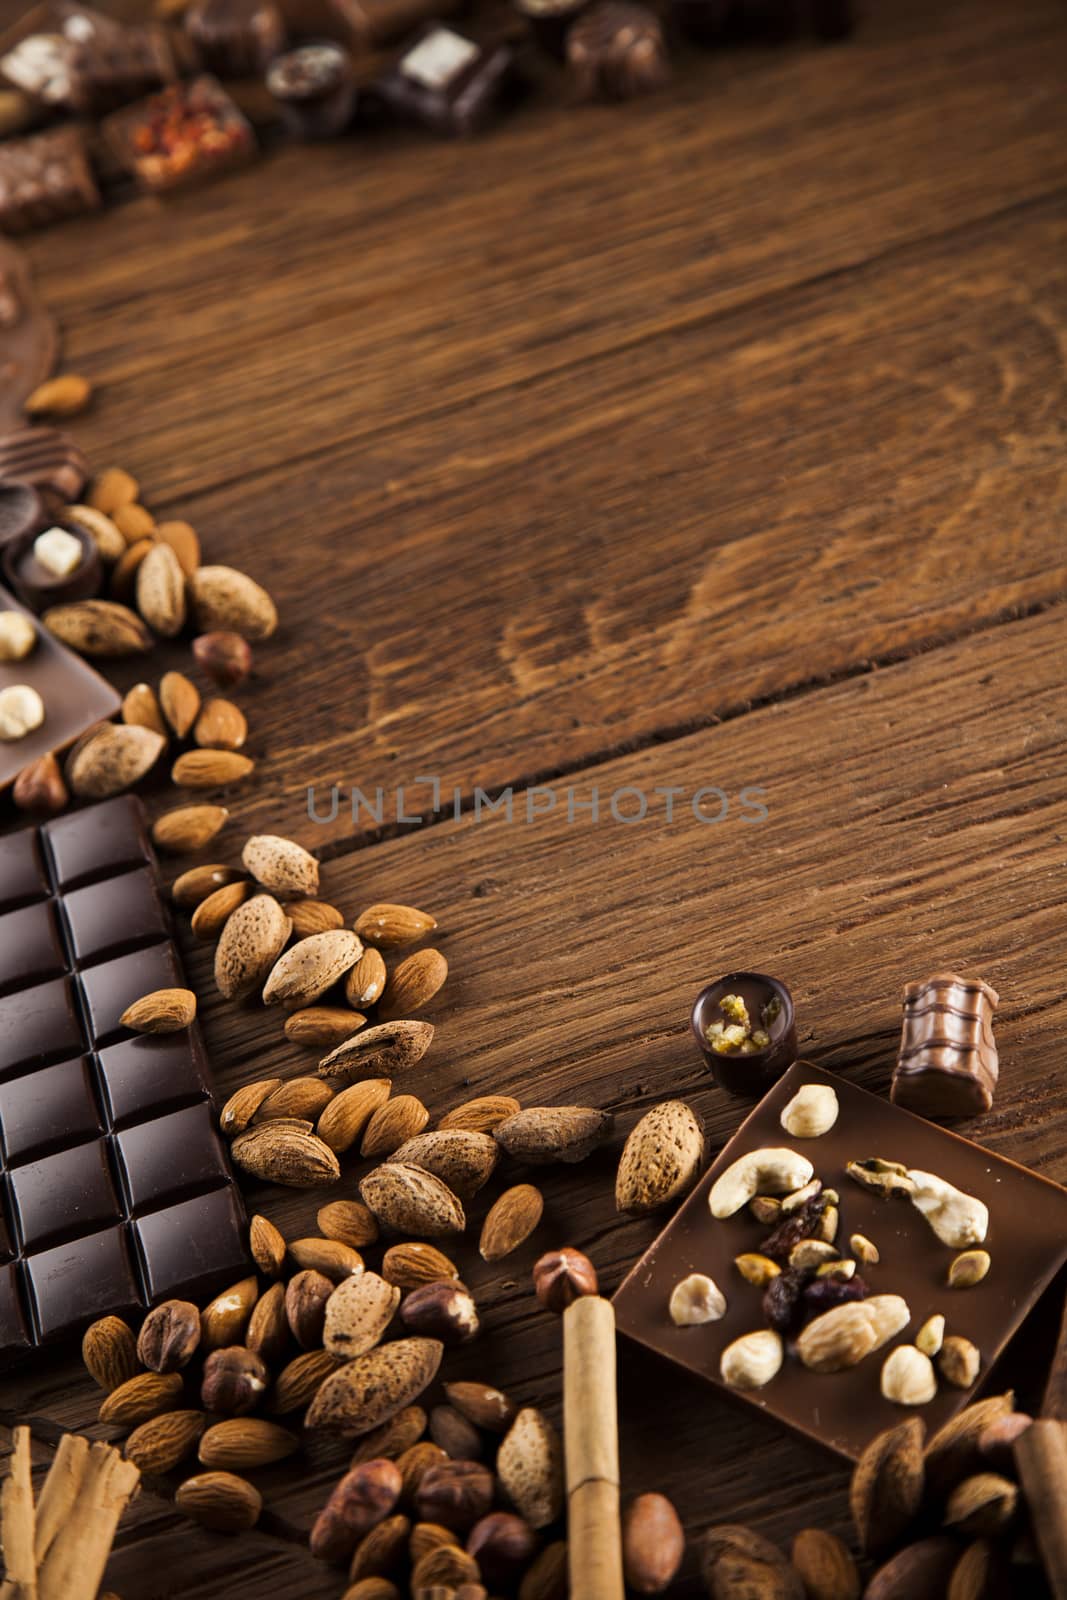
(60, 1490)
(75, 1563)
(591, 1439)
(16, 1524)
(1041, 1457)
(1055, 1401)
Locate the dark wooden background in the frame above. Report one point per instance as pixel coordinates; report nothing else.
(715, 439)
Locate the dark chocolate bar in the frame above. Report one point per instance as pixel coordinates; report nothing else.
(948, 1065)
(44, 179)
(448, 82)
(119, 1189)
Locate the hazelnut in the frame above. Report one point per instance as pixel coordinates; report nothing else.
(40, 788)
(503, 1546)
(233, 1380)
(562, 1276)
(225, 657)
(18, 636)
(305, 1307)
(364, 1497)
(169, 1336)
(457, 1494)
(21, 712)
(444, 1310)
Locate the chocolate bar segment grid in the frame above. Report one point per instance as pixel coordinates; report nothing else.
(115, 1188)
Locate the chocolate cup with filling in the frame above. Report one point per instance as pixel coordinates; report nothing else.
(314, 89)
(37, 586)
(748, 1074)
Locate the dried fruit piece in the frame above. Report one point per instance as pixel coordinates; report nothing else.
(880, 1176)
(510, 1221)
(661, 1159)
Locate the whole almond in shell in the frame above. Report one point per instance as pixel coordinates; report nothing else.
(346, 1117)
(160, 591)
(183, 540)
(212, 914)
(221, 1501)
(109, 1351)
(99, 628)
(372, 1388)
(920, 1572)
(333, 1259)
(229, 601)
(393, 1124)
(314, 916)
(487, 1408)
(408, 1200)
(268, 1334)
(379, 1052)
(180, 700)
(826, 1568)
(141, 709)
(158, 1445)
(543, 1134)
(465, 1161)
(243, 1104)
(481, 1115)
(316, 1026)
(187, 829)
(510, 1221)
(112, 488)
(347, 1221)
(530, 1468)
(250, 944)
(243, 1443)
(113, 759)
(224, 1320)
(297, 1097)
(281, 865)
(887, 1487)
(391, 927)
(366, 981)
(392, 1438)
(220, 726)
(210, 769)
(64, 396)
(413, 1263)
(303, 974)
(739, 1561)
(653, 1543)
(413, 983)
(357, 1315)
(661, 1159)
(162, 1011)
(278, 1154)
(144, 1395)
(108, 540)
(299, 1381)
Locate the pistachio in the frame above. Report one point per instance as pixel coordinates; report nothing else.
(931, 1335)
(756, 1269)
(753, 1360)
(811, 1112)
(861, 1247)
(958, 1219)
(766, 1209)
(811, 1253)
(695, 1300)
(836, 1269)
(770, 1171)
(908, 1377)
(883, 1177)
(800, 1197)
(959, 1361)
(968, 1269)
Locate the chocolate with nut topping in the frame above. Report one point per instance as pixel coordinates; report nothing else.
(38, 584)
(314, 87)
(449, 82)
(45, 178)
(948, 1065)
(616, 50)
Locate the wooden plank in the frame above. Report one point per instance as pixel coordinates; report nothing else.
(916, 820)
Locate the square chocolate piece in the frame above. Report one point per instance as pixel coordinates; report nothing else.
(105, 923)
(97, 843)
(22, 875)
(196, 1247)
(44, 179)
(448, 82)
(843, 1411)
(170, 1158)
(108, 989)
(31, 950)
(14, 1334)
(38, 1026)
(75, 1283)
(184, 135)
(150, 1074)
(47, 1110)
(61, 1195)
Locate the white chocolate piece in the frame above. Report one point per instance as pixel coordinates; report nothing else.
(58, 551)
(21, 711)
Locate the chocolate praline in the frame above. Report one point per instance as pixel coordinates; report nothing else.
(313, 85)
(550, 20)
(21, 511)
(39, 588)
(753, 1073)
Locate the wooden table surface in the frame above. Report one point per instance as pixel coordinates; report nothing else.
(714, 440)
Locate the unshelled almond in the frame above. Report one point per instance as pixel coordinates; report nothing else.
(347, 1221)
(739, 1561)
(221, 1501)
(391, 927)
(303, 974)
(381, 1051)
(333, 1259)
(243, 1104)
(109, 1351)
(543, 1134)
(413, 983)
(242, 1443)
(99, 628)
(296, 1097)
(277, 1154)
(661, 1159)
(463, 1160)
(210, 769)
(111, 489)
(530, 1467)
(141, 709)
(162, 1011)
(481, 1115)
(160, 591)
(64, 396)
(299, 1381)
(281, 865)
(250, 944)
(322, 1025)
(408, 1200)
(393, 1124)
(187, 829)
(159, 1444)
(113, 759)
(224, 1320)
(145, 1395)
(413, 1263)
(230, 601)
(180, 700)
(212, 914)
(372, 1388)
(510, 1221)
(183, 540)
(220, 726)
(366, 981)
(826, 1568)
(358, 1313)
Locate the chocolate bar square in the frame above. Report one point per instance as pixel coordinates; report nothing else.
(44, 179)
(170, 1157)
(151, 1073)
(194, 1247)
(77, 1282)
(47, 1110)
(14, 1334)
(64, 1194)
(448, 82)
(107, 990)
(38, 1026)
(31, 950)
(98, 843)
(22, 874)
(129, 915)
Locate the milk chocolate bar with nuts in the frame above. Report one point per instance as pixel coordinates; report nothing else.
(947, 1066)
(44, 179)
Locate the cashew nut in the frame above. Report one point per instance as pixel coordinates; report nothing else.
(758, 1172)
(812, 1253)
(958, 1219)
(752, 1361)
(864, 1250)
(811, 1112)
(696, 1299)
(908, 1377)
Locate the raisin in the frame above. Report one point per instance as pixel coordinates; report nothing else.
(801, 1224)
(783, 1299)
(822, 1294)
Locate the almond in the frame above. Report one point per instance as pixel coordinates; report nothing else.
(223, 1322)
(123, 586)
(134, 521)
(183, 541)
(212, 914)
(113, 759)
(303, 974)
(358, 1313)
(411, 1264)
(142, 1396)
(372, 1388)
(267, 1246)
(243, 1104)
(99, 628)
(922, 1571)
(511, 1220)
(487, 1408)
(953, 1452)
(313, 916)
(413, 984)
(299, 1381)
(111, 489)
(242, 1443)
(344, 1120)
(465, 1161)
(481, 1115)
(268, 1334)
(161, 591)
(333, 1259)
(661, 1159)
(414, 1464)
(141, 709)
(530, 1468)
(109, 1351)
(196, 885)
(278, 1155)
(408, 1200)
(383, 1051)
(391, 927)
(162, 1011)
(210, 769)
(826, 1569)
(380, 1551)
(229, 601)
(159, 1444)
(653, 1544)
(281, 865)
(738, 1560)
(389, 1441)
(543, 1134)
(188, 829)
(444, 1571)
(251, 943)
(319, 1025)
(366, 981)
(887, 1487)
(393, 1124)
(108, 540)
(221, 1501)
(180, 699)
(297, 1097)
(347, 1221)
(64, 396)
(220, 726)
